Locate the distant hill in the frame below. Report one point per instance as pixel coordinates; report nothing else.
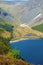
(38, 27)
(24, 12)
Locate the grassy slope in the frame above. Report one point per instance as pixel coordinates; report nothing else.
(38, 27)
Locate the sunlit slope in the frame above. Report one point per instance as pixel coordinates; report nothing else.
(38, 27)
(20, 32)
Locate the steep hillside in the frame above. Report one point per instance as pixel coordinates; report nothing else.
(5, 35)
(12, 61)
(38, 27)
(5, 28)
(24, 11)
(5, 15)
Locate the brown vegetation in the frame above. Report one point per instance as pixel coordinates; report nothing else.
(11, 61)
(6, 34)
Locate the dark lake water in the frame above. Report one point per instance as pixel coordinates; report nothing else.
(30, 50)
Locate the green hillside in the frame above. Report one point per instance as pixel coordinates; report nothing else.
(38, 27)
(6, 34)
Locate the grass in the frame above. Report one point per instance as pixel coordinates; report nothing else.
(38, 27)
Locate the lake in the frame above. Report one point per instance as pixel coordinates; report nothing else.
(30, 50)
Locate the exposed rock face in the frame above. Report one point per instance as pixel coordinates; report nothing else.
(11, 61)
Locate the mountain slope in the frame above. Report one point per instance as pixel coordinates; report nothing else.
(5, 35)
(24, 12)
(5, 15)
(17, 31)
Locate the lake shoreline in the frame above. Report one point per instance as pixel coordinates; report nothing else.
(23, 39)
(30, 50)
